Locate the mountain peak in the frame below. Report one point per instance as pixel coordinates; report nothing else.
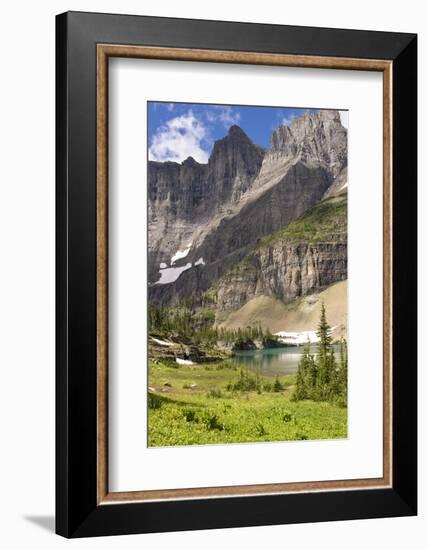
(313, 137)
(236, 131)
(190, 161)
(235, 154)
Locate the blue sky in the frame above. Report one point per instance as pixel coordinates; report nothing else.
(179, 130)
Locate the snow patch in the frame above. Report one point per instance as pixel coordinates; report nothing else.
(180, 254)
(344, 118)
(344, 186)
(298, 338)
(184, 361)
(163, 265)
(171, 274)
(200, 262)
(162, 342)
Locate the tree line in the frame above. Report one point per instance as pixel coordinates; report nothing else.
(199, 326)
(323, 378)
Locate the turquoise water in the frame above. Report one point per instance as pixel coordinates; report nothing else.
(273, 361)
(269, 362)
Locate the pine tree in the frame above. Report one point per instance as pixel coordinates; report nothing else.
(324, 357)
(303, 379)
(332, 388)
(312, 369)
(323, 379)
(323, 332)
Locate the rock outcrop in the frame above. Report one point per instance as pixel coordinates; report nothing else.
(233, 165)
(177, 191)
(284, 271)
(314, 138)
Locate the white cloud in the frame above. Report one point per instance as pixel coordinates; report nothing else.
(210, 116)
(179, 138)
(228, 117)
(287, 121)
(285, 117)
(223, 114)
(344, 118)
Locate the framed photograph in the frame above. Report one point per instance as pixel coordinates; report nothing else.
(236, 274)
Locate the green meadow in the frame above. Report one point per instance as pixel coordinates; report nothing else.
(218, 403)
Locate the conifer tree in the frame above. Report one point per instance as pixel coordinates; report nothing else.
(324, 357)
(303, 379)
(312, 376)
(332, 388)
(322, 379)
(323, 332)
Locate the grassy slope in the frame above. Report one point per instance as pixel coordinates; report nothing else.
(189, 417)
(325, 222)
(301, 314)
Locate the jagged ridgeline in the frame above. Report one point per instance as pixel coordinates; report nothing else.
(252, 228)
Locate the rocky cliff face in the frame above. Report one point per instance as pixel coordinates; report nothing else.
(234, 163)
(214, 214)
(307, 256)
(177, 191)
(284, 271)
(191, 191)
(184, 198)
(314, 138)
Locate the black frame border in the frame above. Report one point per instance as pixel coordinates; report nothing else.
(77, 512)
